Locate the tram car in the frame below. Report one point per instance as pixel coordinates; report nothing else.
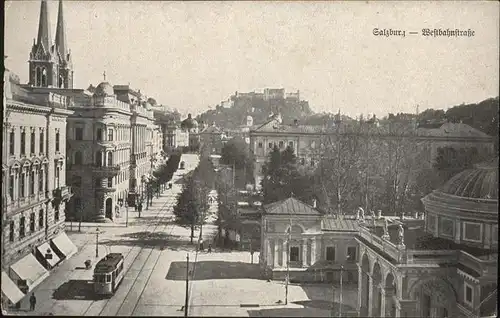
(108, 274)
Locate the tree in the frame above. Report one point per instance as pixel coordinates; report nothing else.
(236, 152)
(281, 176)
(185, 211)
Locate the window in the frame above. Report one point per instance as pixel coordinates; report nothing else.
(110, 182)
(446, 227)
(472, 231)
(98, 183)
(40, 180)
(78, 133)
(57, 141)
(21, 226)
(21, 185)
(40, 219)
(290, 144)
(11, 187)
(110, 134)
(41, 142)
(110, 159)
(23, 142)
(468, 294)
(99, 134)
(12, 142)
(56, 214)
(294, 254)
(77, 181)
(431, 222)
(98, 159)
(32, 182)
(78, 158)
(11, 232)
(32, 222)
(32, 142)
(271, 145)
(260, 145)
(351, 253)
(330, 253)
(281, 143)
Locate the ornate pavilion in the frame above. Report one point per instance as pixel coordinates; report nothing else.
(444, 265)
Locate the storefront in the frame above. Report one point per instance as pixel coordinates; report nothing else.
(63, 246)
(27, 273)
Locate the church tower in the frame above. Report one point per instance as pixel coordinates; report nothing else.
(65, 69)
(43, 62)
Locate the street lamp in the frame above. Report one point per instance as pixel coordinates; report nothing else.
(126, 217)
(97, 231)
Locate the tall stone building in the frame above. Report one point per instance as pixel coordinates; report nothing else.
(34, 190)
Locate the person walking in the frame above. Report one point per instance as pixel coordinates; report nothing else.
(210, 247)
(32, 301)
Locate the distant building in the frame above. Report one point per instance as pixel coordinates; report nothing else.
(444, 265)
(212, 139)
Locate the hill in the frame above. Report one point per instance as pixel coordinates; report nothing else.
(233, 112)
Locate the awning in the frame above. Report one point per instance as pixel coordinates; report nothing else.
(45, 249)
(64, 245)
(10, 289)
(29, 269)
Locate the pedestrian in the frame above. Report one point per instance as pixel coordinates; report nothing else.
(210, 247)
(201, 244)
(32, 301)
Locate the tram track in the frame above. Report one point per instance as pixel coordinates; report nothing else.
(162, 214)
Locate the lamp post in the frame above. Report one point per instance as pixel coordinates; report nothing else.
(186, 301)
(340, 300)
(97, 231)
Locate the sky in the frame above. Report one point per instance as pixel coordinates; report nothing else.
(192, 55)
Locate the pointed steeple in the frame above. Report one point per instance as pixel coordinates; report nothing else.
(44, 37)
(61, 44)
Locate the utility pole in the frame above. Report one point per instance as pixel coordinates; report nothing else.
(186, 302)
(97, 243)
(340, 301)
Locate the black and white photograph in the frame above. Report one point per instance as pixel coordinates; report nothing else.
(250, 158)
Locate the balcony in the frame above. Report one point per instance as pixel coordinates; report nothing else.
(63, 193)
(106, 170)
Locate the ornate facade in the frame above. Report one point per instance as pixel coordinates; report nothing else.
(317, 245)
(443, 266)
(34, 190)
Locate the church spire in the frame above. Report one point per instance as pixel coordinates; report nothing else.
(44, 37)
(61, 45)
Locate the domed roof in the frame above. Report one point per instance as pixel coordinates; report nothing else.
(104, 89)
(152, 101)
(478, 183)
(189, 122)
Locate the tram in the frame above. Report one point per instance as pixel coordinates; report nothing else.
(108, 274)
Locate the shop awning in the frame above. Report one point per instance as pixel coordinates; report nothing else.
(29, 269)
(64, 245)
(10, 289)
(45, 249)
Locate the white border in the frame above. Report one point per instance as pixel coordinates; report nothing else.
(464, 223)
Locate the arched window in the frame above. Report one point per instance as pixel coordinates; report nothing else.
(44, 77)
(98, 159)
(110, 159)
(38, 77)
(78, 158)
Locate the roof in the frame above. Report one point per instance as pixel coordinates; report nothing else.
(109, 262)
(104, 89)
(478, 183)
(339, 224)
(290, 206)
(454, 130)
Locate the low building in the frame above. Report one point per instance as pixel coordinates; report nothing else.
(316, 245)
(442, 266)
